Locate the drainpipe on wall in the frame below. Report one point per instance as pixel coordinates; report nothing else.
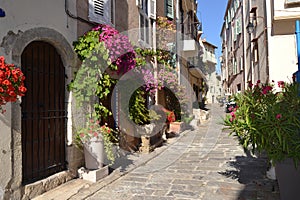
(244, 44)
(298, 49)
(76, 17)
(178, 47)
(266, 32)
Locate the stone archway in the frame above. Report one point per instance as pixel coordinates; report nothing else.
(68, 58)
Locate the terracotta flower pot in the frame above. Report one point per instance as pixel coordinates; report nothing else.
(176, 127)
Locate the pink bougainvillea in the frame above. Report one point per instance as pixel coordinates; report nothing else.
(121, 52)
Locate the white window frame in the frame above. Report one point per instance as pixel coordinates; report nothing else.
(143, 29)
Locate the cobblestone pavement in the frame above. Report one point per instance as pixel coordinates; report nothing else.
(202, 164)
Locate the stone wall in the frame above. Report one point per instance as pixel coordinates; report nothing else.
(16, 33)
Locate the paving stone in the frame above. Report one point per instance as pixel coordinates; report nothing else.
(180, 193)
(204, 164)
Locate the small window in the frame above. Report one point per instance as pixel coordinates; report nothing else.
(253, 16)
(145, 23)
(238, 87)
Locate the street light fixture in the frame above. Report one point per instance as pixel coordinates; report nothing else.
(250, 27)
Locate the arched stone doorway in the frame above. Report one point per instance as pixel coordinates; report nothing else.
(43, 125)
(15, 187)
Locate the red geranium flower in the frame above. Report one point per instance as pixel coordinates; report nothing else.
(11, 83)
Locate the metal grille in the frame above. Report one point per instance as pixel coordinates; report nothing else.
(43, 112)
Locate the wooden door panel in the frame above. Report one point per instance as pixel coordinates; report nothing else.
(43, 112)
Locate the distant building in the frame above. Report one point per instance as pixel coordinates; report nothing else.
(281, 40)
(213, 80)
(37, 131)
(258, 42)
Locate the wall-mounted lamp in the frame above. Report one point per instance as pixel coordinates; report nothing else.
(2, 13)
(250, 28)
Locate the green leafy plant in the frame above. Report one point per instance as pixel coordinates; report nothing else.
(138, 111)
(268, 121)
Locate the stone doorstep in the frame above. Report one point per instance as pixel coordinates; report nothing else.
(34, 189)
(64, 191)
(93, 175)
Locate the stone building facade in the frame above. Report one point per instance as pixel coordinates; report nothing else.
(37, 144)
(254, 52)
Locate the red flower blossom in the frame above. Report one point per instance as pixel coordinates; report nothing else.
(6, 82)
(2, 64)
(22, 89)
(280, 84)
(278, 116)
(82, 135)
(266, 89)
(11, 83)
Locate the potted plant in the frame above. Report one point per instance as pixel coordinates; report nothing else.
(11, 83)
(94, 140)
(268, 120)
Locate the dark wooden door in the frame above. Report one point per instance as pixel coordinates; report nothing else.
(43, 112)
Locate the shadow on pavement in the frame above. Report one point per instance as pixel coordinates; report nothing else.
(122, 162)
(251, 172)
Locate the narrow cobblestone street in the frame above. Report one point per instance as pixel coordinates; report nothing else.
(202, 164)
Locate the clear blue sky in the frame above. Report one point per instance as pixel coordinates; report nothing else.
(211, 13)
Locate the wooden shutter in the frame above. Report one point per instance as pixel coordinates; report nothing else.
(234, 31)
(100, 11)
(169, 9)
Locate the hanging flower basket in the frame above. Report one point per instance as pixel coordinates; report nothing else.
(11, 83)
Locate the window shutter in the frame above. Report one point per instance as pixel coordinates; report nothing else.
(241, 64)
(234, 66)
(169, 9)
(232, 13)
(139, 3)
(238, 26)
(100, 11)
(234, 32)
(226, 23)
(236, 5)
(153, 9)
